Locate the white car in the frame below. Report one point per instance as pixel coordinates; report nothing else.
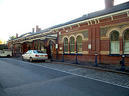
(5, 53)
(34, 55)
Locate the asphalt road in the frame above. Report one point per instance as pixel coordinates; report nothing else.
(21, 78)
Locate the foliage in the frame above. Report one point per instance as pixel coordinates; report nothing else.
(12, 37)
(0, 42)
(3, 46)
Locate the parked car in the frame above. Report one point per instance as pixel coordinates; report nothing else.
(5, 53)
(34, 55)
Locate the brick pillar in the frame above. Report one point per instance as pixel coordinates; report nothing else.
(121, 45)
(97, 44)
(89, 39)
(33, 45)
(14, 50)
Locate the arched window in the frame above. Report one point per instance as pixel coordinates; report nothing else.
(65, 45)
(79, 43)
(72, 44)
(126, 41)
(114, 42)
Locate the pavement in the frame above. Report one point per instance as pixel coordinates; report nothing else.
(102, 67)
(104, 75)
(116, 68)
(22, 78)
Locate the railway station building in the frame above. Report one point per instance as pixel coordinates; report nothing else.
(103, 34)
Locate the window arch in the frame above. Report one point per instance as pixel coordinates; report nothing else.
(65, 45)
(72, 44)
(126, 41)
(114, 42)
(79, 43)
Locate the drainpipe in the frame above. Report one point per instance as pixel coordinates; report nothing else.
(76, 61)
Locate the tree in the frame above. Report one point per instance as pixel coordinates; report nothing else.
(3, 46)
(1, 42)
(12, 37)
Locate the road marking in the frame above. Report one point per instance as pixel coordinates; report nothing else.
(79, 75)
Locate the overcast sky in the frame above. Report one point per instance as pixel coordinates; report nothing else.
(20, 16)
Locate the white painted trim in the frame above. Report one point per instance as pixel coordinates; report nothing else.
(65, 37)
(51, 40)
(72, 36)
(80, 34)
(95, 21)
(113, 29)
(88, 22)
(78, 25)
(128, 14)
(70, 27)
(98, 20)
(123, 29)
(112, 18)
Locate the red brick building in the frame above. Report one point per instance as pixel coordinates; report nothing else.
(104, 34)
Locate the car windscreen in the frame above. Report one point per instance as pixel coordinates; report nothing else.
(37, 51)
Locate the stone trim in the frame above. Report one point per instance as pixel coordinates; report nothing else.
(106, 30)
(85, 52)
(104, 52)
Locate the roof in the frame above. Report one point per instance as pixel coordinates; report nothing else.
(25, 34)
(113, 9)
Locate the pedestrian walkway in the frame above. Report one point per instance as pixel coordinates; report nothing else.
(100, 75)
(92, 65)
(105, 73)
(104, 67)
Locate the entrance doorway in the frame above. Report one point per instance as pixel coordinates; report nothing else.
(51, 50)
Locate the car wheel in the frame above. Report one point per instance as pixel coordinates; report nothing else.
(8, 56)
(22, 58)
(31, 59)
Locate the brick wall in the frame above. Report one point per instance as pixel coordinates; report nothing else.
(100, 45)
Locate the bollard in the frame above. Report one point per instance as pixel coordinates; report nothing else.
(123, 63)
(96, 62)
(63, 57)
(76, 62)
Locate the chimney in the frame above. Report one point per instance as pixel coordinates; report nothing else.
(109, 4)
(38, 29)
(32, 30)
(16, 35)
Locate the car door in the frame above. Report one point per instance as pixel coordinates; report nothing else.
(26, 55)
(29, 54)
